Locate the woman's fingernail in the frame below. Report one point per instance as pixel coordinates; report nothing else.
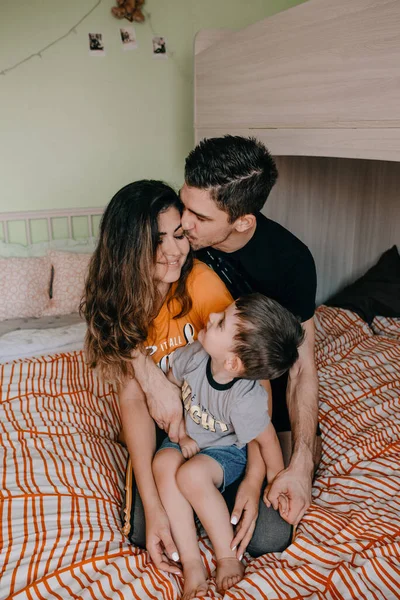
(175, 556)
(240, 557)
(234, 520)
(234, 548)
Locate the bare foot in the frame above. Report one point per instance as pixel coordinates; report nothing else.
(229, 572)
(195, 580)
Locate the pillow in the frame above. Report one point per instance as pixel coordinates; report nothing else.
(41, 248)
(68, 281)
(376, 293)
(24, 285)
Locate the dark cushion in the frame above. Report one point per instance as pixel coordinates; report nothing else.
(376, 293)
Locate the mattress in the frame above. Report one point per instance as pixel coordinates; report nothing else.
(62, 483)
(23, 338)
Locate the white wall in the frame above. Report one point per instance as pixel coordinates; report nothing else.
(76, 128)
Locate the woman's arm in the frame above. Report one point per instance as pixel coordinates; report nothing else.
(140, 439)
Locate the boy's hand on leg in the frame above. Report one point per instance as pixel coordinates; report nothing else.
(189, 447)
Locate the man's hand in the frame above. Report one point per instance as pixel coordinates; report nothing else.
(159, 542)
(245, 513)
(295, 486)
(165, 407)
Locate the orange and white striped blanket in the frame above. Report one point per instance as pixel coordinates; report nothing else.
(62, 483)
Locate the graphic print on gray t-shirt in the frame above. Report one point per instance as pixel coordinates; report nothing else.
(216, 414)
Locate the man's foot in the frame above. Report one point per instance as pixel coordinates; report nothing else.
(195, 581)
(229, 572)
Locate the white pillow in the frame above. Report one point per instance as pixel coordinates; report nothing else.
(86, 246)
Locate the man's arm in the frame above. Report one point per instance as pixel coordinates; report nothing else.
(302, 397)
(188, 446)
(163, 397)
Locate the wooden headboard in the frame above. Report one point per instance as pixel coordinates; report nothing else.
(319, 84)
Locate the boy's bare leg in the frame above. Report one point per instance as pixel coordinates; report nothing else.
(198, 480)
(166, 463)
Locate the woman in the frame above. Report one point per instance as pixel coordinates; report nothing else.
(144, 291)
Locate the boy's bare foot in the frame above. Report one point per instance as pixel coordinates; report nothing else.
(195, 581)
(229, 572)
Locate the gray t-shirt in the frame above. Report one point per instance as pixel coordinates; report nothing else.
(218, 414)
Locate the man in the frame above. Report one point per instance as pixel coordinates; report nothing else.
(227, 181)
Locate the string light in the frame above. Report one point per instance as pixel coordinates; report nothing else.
(53, 43)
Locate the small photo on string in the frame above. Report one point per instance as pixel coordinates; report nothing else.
(128, 38)
(160, 47)
(96, 46)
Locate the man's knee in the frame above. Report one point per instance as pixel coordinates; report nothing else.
(272, 533)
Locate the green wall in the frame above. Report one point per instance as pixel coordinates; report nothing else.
(75, 128)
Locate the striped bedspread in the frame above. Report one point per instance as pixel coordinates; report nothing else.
(62, 483)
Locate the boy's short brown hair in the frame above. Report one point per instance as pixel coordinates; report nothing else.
(268, 337)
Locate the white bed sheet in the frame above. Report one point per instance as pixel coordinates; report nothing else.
(25, 343)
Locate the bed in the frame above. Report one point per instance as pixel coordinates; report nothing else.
(62, 473)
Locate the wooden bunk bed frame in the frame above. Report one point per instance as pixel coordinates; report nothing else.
(319, 84)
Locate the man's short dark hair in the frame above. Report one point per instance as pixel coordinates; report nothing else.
(268, 337)
(238, 172)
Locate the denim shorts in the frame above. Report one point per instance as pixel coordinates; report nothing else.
(231, 458)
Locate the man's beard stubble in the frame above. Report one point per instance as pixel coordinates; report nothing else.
(198, 245)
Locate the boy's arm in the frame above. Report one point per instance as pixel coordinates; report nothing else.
(270, 451)
(273, 459)
(245, 511)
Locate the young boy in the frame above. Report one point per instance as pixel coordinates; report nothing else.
(225, 408)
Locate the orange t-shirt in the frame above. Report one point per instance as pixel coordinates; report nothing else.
(208, 294)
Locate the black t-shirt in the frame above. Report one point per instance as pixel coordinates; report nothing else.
(274, 262)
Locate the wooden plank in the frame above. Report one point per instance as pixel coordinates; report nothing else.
(320, 65)
(378, 144)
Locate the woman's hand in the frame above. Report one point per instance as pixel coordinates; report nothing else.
(159, 542)
(245, 514)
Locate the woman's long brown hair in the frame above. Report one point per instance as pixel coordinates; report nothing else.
(121, 297)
